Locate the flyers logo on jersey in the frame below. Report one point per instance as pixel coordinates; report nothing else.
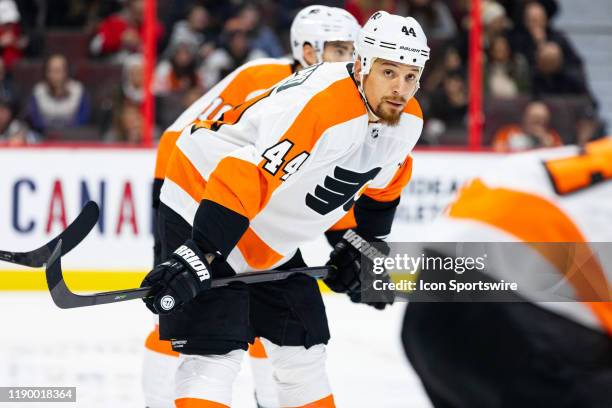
(339, 190)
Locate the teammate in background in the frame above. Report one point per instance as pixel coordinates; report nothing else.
(526, 353)
(318, 34)
(244, 192)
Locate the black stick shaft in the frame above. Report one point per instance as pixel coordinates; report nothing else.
(66, 299)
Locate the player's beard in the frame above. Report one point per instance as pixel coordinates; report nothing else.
(387, 116)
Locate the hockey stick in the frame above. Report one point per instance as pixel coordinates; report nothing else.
(66, 299)
(71, 237)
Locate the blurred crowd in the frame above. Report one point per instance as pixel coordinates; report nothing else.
(74, 71)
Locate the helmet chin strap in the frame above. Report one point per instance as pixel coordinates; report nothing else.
(363, 95)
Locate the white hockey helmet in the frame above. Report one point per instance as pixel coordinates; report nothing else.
(317, 25)
(394, 38)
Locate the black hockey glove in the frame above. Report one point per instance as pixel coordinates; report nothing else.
(178, 280)
(348, 276)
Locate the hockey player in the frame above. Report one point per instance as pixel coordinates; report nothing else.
(529, 352)
(318, 34)
(244, 192)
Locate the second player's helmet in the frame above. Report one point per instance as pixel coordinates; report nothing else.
(317, 25)
(394, 38)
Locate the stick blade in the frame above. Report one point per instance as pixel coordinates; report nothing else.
(55, 280)
(71, 237)
(64, 298)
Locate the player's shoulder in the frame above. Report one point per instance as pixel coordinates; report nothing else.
(316, 81)
(336, 89)
(322, 95)
(413, 107)
(265, 63)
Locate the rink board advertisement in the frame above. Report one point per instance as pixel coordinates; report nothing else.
(43, 189)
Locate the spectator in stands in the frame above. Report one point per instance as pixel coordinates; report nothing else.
(433, 15)
(515, 8)
(494, 21)
(534, 132)
(588, 126)
(128, 126)
(72, 13)
(553, 77)
(233, 52)
(179, 71)
(261, 37)
(13, 131)
(193, 29)
(122, 33)
(7, 91)
(132, 80)
(12, 41)
(58, 101)
(536, 31)
(361, 9)
(451, 62)
(448, 109)
(506, 75)
(190, 96)
(130, 92)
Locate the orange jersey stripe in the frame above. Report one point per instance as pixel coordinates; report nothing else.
(256, 252)
(543, 222)
(153, 343)
(184, 174)
(394, 189)
(575, 173)
(164, 150)
(493, 205)
(414, 108)
(247, 194)
(246, 188)
(197, 403)
(249, 80)
(327, 402)
(257, 350)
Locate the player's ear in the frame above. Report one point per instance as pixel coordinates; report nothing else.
(357, 68)
(310, 55)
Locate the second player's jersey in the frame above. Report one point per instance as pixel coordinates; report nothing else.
(292, 161)
(245, 82)
(561, 195)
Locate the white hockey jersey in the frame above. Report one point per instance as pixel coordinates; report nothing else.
(243, 83)
(292, 161)
(561, 195)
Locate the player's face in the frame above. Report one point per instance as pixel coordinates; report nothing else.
(338, 51)
(388, 87)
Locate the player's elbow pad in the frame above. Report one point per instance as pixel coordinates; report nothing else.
(374, 218)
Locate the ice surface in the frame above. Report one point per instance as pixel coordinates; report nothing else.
(99, 350)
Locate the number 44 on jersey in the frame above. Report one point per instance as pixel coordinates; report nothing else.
(275, 157)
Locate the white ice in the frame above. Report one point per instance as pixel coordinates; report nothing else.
(99, 350)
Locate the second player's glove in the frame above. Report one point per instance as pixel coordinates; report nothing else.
(348, 276)
(178, 280)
